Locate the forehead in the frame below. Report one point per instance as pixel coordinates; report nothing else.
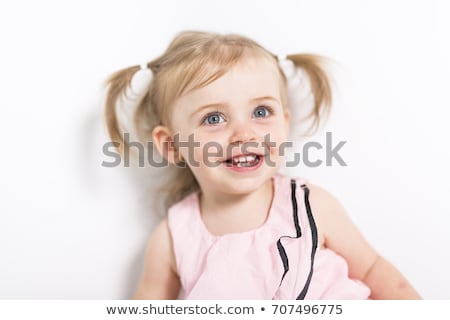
(249, 78)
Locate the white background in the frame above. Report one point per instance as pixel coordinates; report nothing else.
(70, 228)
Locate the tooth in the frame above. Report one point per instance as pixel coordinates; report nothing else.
(250, 158)
(241, 159)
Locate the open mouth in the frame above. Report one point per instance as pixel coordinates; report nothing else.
(243, 161)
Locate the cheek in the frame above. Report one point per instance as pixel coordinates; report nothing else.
(279, 143)
(209, 140)
(209, 153)
(201, 149)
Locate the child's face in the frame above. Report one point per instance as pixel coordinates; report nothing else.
(238, 115)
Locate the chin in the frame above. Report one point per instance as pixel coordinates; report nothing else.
(246, 184)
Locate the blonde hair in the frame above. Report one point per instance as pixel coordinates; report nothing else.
(193, 60)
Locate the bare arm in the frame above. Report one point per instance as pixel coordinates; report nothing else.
(159, 280)
(364, 263)
(386, 282)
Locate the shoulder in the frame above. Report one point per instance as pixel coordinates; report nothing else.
(326, 210)
(161, 231)
(160, 244)
(339, 233)
(329, 213)
(325, 204)
(159, 279)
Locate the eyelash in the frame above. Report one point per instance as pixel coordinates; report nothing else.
(217, 112)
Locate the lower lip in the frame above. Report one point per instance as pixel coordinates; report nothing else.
(244, 169)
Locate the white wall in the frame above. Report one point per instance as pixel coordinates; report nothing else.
(70, 228)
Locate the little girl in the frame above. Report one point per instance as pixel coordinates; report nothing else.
(218, 109)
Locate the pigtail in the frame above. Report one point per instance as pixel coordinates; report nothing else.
(126, 92)
(319, 84)
(129, 108)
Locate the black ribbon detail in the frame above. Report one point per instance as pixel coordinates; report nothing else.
(282, 251)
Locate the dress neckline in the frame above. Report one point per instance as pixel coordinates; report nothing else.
(269, 218)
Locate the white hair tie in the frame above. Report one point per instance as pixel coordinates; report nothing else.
(290, 71)
(298, 90)
(133, 95)
(140, 83)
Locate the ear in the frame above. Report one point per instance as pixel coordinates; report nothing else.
(163, 139)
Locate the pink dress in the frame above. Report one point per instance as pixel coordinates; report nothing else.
(279, 260)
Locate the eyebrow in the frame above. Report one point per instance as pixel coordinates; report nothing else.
(219, 104)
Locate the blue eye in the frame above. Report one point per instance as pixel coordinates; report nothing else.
(213, 118)
(261, 112)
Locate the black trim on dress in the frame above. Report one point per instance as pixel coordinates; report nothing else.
(313, 226)
(282, 251)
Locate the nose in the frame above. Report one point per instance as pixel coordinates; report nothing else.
(242, 133)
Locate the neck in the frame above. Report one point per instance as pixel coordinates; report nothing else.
(228, 213)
